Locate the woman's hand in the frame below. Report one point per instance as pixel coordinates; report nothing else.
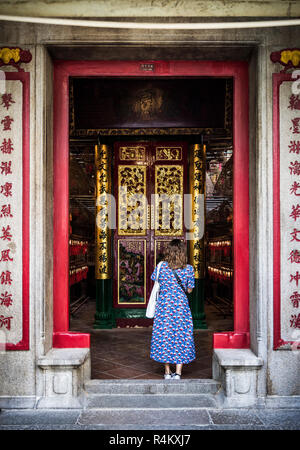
(189, 290)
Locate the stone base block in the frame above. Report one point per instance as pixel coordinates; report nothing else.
(236, 370)
(21, 402)
(64, 372)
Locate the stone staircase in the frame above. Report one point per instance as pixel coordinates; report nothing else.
(155, 402)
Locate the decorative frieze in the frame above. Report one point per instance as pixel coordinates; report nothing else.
(14, 56)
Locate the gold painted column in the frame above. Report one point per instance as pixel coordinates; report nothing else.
(102, 231)
(197, 245)
(103, 253)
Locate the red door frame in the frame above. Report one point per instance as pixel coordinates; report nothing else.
(62, 337)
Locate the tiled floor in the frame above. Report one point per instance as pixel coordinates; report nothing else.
(124, 352)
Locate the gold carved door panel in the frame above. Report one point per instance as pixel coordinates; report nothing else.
(150, 183)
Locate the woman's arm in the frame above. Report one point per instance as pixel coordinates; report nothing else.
(191, 279)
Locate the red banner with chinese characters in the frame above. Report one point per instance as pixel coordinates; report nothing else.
(14, 210)
(286, 186)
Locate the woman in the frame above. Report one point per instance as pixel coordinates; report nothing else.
(172, 335)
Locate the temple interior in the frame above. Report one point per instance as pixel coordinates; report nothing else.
(149, 126)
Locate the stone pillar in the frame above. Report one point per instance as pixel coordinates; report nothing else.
(196, 246)
(103, 271)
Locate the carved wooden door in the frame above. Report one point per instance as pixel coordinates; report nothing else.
(145, 222)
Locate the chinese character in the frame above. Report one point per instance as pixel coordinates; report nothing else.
(294, 168)
(295, 299)
(6, 123)
(5, 277)
(294, 234)
(102, 258)
(294, 102)
(5, 256)
(5, 211)
(102, 178)
(6, 236)
(296, 125)
(7, 100)
(295, 321)
(6, 146)
(294, 188)
(5, 167)
(6, 299)
(295, 277)
(5, 321)
(6, 190)
(294, 256)
(294, 147)
(295, 212)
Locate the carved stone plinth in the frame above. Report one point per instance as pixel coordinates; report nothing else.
(237, 370)
(64, 371)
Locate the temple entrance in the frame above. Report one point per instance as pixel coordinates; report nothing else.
(117, 129)
(120, 333)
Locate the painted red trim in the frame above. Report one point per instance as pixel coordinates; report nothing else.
(231, 339)
(241, 202)
(71, 339)
(276, 215)
(236, 69)
(61, 203)
(278, 342)
(24, 77)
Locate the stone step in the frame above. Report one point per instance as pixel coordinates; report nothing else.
(147, 418)
(185, 386)
(146, 401)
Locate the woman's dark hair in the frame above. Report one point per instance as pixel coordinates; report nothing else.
(175, 254)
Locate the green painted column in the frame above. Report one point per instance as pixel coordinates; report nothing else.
(104, 318)
(197, 304)
(196, 246)
(103, 272)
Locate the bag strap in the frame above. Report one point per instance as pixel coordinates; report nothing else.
(179, 281)
(158, 269)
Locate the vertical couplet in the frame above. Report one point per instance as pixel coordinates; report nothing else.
(102, 231)
(196, 246)
(103, 316)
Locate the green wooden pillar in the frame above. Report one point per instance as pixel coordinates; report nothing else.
(196, 245)
(197, 304)
(104, 318)
(103, 252)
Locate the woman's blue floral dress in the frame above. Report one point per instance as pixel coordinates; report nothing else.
(172, 335)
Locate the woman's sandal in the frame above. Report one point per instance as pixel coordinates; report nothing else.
(168, 376)
(176, 376)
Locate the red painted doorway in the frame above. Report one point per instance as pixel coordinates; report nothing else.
(239, 338)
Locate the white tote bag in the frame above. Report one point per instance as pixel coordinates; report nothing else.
(150, 311)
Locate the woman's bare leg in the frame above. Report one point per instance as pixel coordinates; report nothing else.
(167, 368)
(179, 368)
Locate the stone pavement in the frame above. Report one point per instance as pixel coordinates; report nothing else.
(141, 419)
